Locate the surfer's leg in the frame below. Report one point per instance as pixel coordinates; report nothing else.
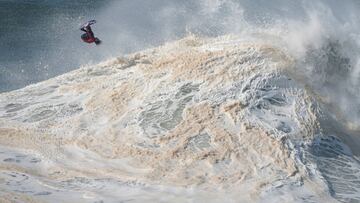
(89, 31)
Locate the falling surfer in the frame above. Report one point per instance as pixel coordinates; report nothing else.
(88, 36)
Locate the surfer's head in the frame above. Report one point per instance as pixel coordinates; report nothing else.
(97, 41)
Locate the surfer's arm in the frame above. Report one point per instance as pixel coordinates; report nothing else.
(88, 30)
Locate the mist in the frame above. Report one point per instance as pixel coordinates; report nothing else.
(323, 37)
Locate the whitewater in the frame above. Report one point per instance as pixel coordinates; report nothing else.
(251, 108)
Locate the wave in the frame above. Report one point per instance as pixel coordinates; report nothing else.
(199, 113)
(251, 106)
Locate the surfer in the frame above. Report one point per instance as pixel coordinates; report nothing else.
(88, 36)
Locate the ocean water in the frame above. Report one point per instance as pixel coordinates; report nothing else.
(32, 34)
(185, 101)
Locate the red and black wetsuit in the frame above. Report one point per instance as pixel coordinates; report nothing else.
(88, 36)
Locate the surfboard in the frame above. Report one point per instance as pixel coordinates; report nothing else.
(90, 22)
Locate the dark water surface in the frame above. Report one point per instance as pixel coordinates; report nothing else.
(36, 36)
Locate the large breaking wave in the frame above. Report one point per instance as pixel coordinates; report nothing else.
(257, 103)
